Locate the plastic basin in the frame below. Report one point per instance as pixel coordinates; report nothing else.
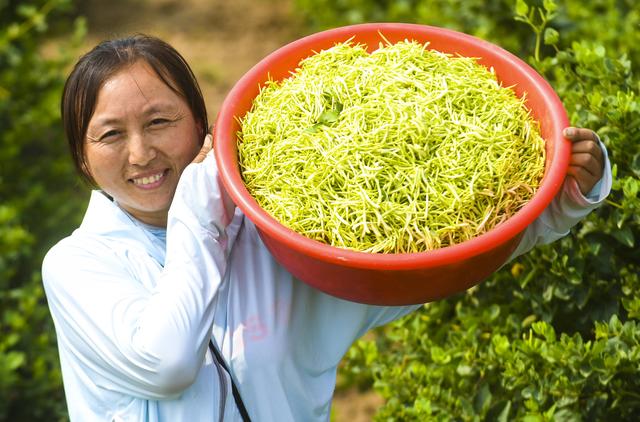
(394, 279)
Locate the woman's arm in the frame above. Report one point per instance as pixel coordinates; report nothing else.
(585, 188)
(139, 328)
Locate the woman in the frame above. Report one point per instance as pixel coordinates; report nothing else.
(163, 274)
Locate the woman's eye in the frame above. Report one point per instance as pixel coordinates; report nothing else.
(109, 135)
(159, 121)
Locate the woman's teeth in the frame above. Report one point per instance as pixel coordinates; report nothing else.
(147, 180)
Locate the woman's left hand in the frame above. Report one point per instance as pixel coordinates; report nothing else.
(206, 147)
(587, 160)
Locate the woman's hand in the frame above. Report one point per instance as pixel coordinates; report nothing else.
(206, 147)
(587, 161)
(227, 202)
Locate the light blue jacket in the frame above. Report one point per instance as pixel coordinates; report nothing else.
(134, 316)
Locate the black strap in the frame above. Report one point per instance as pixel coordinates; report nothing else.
(236, 393)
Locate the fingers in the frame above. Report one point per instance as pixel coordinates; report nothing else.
(587, 160)
(578, 134)
(589, 150)
(586, 180)
(206, 147)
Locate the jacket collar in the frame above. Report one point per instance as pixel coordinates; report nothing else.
(105, 218)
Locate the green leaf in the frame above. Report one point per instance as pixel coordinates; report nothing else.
(482, 400)
(500, 344)
(329, 116)
(551, 36)
(14, 360)
(313, 129)
(549, 5)
(26, 10)
(13, 31)
(422, 405)
(439, 355)
(522, 8)
(624, 236)
(504, 414)
(566, 415)
(493, 312)
(635, 164)
(630, 187)
(464, 370)
(543, 329)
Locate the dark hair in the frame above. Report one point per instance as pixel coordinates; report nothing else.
(102, 62)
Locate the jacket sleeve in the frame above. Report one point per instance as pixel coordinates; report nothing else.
(144, 342)
(566, 210)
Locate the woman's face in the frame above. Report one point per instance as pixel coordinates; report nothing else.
(139, 140)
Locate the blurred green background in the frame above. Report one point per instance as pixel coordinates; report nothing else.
(552, 336)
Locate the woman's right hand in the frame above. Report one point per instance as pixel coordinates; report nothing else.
(587, 159)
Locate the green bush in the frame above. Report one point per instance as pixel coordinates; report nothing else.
(39, 204)
(554, 335)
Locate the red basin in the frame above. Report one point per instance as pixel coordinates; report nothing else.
(395, 279)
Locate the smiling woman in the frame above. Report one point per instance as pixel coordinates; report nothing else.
(137, 150)
(166, 303)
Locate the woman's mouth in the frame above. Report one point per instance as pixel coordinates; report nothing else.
(150, 181)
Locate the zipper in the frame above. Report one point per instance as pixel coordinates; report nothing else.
(223, 383)
(223, 386)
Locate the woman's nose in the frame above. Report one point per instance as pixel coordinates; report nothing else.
(141, 149)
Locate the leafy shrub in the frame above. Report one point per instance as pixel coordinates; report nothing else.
(38, 205)
(554, 335)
